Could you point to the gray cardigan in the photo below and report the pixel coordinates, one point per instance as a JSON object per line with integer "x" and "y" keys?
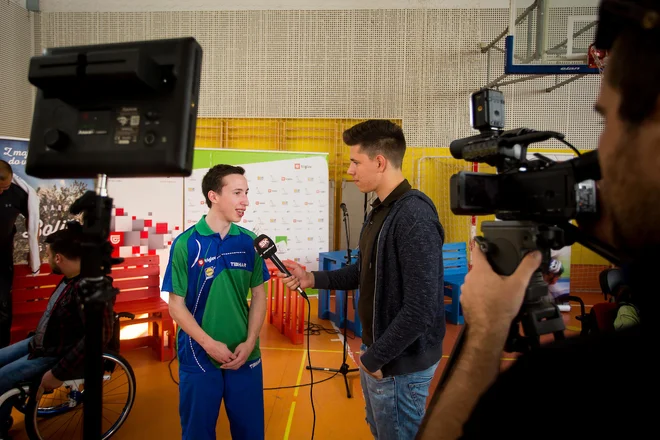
{"x": 409, "y": 317}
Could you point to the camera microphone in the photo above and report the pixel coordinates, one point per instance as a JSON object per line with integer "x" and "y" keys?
{"x": 266, "y": 248}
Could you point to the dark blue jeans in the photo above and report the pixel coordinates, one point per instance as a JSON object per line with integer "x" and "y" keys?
{"x": 15, "y": 367}
{"x": 396, "y": 405}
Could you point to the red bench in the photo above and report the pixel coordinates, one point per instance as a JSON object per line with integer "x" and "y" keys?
{"x": 137, "y": 279}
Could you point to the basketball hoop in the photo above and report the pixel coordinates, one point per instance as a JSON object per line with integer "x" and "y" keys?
{"x": 597, "y": 58}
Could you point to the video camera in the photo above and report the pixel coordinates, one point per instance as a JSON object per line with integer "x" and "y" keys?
{"x": 534, "y": 201}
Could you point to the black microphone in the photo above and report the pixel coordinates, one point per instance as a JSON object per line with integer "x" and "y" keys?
{"x": 266, "y": 248}
{"x": 343, "y": 208}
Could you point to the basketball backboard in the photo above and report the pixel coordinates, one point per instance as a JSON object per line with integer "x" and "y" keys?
{"x": 551, "y": 37}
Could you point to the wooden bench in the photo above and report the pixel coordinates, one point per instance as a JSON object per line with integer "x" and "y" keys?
{"x": 137, "y": 279}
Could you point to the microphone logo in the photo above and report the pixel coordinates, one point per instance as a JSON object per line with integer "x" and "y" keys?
{"x": 264, "y": 243}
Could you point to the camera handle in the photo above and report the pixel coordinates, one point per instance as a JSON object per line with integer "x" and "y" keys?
{"x": 566, "y": 233}
{"x": 505, "y": 244}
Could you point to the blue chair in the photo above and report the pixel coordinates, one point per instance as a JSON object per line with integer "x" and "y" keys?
{"x": 456, "y": 267}
{"x": 332, "y": 261}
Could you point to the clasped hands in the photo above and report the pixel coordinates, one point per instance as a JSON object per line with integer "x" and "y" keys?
{"x": 229, "y": 360}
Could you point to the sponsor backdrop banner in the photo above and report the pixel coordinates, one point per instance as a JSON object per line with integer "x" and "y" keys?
{"x": 288, "y": 201}
{"x": 288, "y": 198}
{"x": 55, "y": 198}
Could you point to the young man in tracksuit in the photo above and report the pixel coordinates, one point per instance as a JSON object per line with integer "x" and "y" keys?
{"x": 212, "y": 268}
{"x": 399, "y": 272}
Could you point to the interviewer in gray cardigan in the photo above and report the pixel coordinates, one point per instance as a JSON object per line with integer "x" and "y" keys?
{"x": 399, "y": 273}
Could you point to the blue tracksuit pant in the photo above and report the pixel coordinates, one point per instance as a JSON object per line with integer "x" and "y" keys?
{"x": 201, "y": 393}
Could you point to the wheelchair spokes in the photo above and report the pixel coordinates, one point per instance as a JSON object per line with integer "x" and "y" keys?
{"x": 59, "y": 414}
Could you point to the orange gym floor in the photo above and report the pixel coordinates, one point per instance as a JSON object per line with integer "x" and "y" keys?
{"x": 288, "y": 412}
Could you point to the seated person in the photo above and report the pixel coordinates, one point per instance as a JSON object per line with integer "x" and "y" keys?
{"x": 55, "y": 351}
{"x": 558, "y": 295}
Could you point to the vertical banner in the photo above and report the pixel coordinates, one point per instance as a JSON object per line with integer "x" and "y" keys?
{"x": 55, "y": 198}
{"x": 289, "y": 198}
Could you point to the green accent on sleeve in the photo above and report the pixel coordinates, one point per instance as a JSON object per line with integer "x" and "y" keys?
{"x": 180, "y": 265}
{"x": 257, "y": 272}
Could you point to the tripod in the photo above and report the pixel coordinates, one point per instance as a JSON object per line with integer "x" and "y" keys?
{"x": 344, "y": 369}
{"x": 97, "y": 293}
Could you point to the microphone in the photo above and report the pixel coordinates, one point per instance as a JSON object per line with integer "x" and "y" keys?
{"x": 343, "y": 208}
{"x": 266, "y": 248}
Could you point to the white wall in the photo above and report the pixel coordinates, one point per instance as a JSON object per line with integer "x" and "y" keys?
{"x": 418, "y": 65}
{"x": 16, "y": 48}
{"x": 20, "y": 3}
{"x": 228, "y": 5}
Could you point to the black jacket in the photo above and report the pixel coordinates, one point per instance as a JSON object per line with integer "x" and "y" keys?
{"x": 409, "y": 317}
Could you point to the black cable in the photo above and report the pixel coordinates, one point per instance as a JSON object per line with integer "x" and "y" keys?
{"x": 301, "y": 385}
{"x": 316, "y": 329}
{"x": 169, "y": 367}
{"x": 309, "y": 361}
{"x": 570, "y": 146}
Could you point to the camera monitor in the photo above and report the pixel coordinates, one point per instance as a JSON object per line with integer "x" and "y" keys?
{"x": 121, "y": 110}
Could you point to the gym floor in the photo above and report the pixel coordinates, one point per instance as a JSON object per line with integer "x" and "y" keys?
{"x": 288, "y": 412}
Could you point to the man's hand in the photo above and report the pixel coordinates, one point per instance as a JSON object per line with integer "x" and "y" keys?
{"x": 491, "y": 301}
{"x": 50, "y": 382}
{"x": 241, "y": 354}
{"x": 299, "y": 277}
{"x": 218, "y": 351}
{"x": 378, "y": 374}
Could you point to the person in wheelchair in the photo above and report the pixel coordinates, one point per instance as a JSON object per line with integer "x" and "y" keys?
{"x": 55, "y": 351}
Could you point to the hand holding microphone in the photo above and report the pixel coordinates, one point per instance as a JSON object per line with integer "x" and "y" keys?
{"x": 298, "y": 277}
{"x": 294, "y": 276}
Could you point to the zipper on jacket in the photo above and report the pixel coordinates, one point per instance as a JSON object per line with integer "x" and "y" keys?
{"x": 373, "y": 317}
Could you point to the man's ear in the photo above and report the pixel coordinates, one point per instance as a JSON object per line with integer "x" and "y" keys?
{"x": 213, "y": 196}
{"x": 381, "y": 161}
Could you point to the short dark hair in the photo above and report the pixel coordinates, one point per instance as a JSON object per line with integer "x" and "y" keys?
{"x": 68, "y": 241}
{"x": 4, "y": 166}
{"x": 214, "y": 179}
{"x": 633, "y": 69}
{"x": 378, "y": 136}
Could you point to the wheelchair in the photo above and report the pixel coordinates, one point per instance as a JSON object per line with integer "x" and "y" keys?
{"x": 58, "y": 414}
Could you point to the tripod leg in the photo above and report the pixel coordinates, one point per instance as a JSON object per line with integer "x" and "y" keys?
{"x": 348, "y": 389}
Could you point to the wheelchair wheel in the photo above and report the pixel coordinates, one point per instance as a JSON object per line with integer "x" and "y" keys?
{"x": 59, "y": 414}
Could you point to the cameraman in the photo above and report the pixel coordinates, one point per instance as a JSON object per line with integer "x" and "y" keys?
{"x": 477, "y": 400}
